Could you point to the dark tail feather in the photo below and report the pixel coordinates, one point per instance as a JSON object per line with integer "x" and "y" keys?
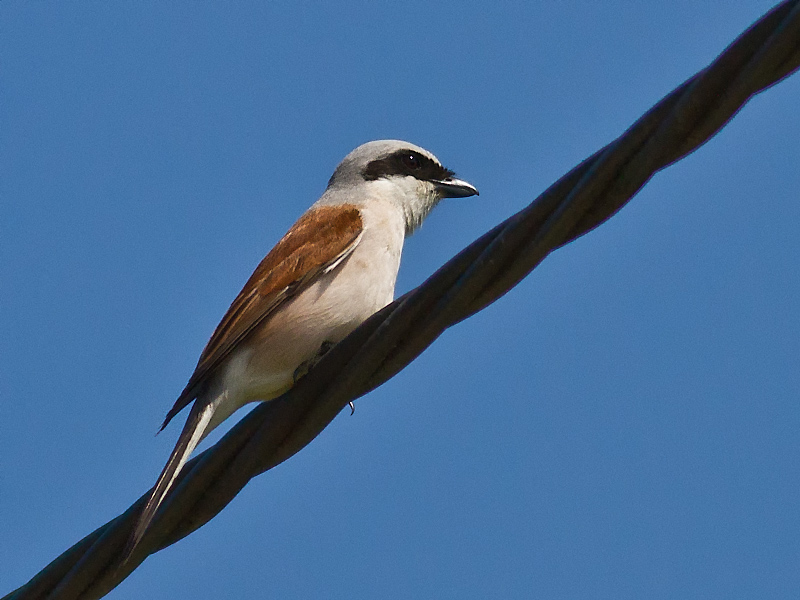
{"x": 192, "y": 433}
{"x": 185, "y": 399}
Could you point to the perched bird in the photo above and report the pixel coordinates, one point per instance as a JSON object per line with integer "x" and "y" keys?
{"x": 335, "y": 267}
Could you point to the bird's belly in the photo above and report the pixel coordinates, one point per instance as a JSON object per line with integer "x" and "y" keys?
{"x": 325, "y": 312}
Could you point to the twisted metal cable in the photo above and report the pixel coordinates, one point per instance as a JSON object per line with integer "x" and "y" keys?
{"x": 480, "y": 274}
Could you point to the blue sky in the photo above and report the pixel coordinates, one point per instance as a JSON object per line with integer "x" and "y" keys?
{"x": 623, "y": 424}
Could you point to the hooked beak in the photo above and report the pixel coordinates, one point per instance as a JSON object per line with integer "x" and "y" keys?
{"x": 455, "y": 188}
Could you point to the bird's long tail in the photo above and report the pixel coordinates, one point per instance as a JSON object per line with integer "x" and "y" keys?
{"x": 194, "y": 431}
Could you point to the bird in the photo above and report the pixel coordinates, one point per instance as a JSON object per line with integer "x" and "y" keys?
{"x": 336, "y": 266}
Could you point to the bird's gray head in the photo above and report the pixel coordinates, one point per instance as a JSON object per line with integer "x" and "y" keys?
{"x": 400, "y": 172}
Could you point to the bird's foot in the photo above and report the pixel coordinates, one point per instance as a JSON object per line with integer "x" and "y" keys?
{"x": 306, "y": 366}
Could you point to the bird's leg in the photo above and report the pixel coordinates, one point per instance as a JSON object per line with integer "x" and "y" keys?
{"x": 301, "y": 371}
{"x": 305, "y": 367}
{"x": 324, "y": 348}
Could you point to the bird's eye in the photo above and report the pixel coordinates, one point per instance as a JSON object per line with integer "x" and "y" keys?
{"x": 411, "y": 161}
